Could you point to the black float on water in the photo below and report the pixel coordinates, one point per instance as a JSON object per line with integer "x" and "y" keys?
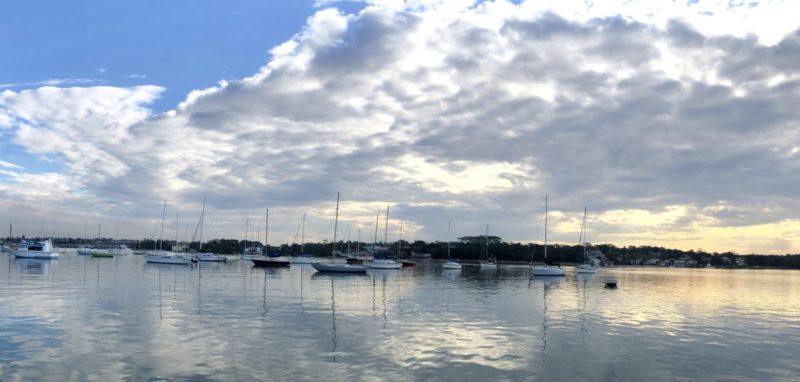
{"x": 611, "y": 283}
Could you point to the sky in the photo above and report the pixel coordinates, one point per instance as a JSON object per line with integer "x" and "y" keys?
{"x": 674, "y": 123}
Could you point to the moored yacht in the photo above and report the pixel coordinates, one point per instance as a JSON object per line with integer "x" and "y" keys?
{"x": 338, "y": 267}
{"x": 164, "y": 257}
{"x": 208, "y": 256}
{"x": 37, "y": 250}
{"x": 547, "y": 269}
{"x": 384, "y": 264}
{"x": 450, "y": 264}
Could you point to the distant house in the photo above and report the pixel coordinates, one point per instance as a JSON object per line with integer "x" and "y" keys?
{"x": 741, "y": 261}
{"x": 679, "y": 263}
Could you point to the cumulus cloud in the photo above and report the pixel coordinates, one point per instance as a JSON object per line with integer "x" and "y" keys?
{"x": 462, "y": 110}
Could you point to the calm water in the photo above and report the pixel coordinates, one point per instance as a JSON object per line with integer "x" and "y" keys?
{"x": 85, "y": 319}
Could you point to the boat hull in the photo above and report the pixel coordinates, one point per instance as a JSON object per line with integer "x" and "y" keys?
{"x": 488, "y": 265}
{"x": 384, "y": 265}
{"x": 409, "y": 264}
{"x": 84, "y": 252}
{"x": 102, "y": 254}
{"x": 167, "y": 259}
{"x": 586, "y": 270}
{"x": 211, "y": 258}
{"x": 303, "y": 260}
{"x": 547, "y": 271}
{"x": 270, "y": 263}
{"x": 451, "y": 265}
{"x": 36, "y": 255}
{"x": 339, "y": 268}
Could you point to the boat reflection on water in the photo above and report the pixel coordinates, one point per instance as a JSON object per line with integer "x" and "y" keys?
{"x": 34, "y": 266}
{"x": 546, "y": 283}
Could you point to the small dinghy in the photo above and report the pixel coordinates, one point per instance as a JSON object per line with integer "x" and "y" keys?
{"x": 611, "y": 282}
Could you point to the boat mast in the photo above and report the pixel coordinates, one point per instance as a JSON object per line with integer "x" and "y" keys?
{"x": 486, "y": 240}
{"x": 545, "y": 229}
{"x": 386, "y": 229}
{"x": 358, "y": 243}
{"x": 400, "y": 242}
{"x": 266, "y": 235}
{"x": 202, "y": 221}
{"x": 347, "y": 230}
{"x": 335, "y": 226}
{"x": 176, "y": 231}
{"x": 85, "y": 231}
{"x": 584, "y": 234}
{"x": 449, "y": 223}
{"x": 303, "y": 236}
{"x": 160, "y": 241}
{"x": 375, "y": 239}
{"x": 246, "y": 232}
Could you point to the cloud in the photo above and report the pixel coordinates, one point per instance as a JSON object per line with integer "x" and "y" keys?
{"x": 136, "y": 76}
{"x": 457, "y": 110}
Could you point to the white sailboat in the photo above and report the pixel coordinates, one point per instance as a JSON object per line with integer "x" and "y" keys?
{"x": 450, "y": 264}
{"x": 487, "y": 262}
{"x": 163, "y": 257}
{"x": 385, "y": 263}
{"x": 338, "y": 267}
{"x": 205, "y": 256}
{"x": 586, "y": 267}
{"x": 546, "y": 269}
{"x": 303, "y": 258}
{"x": 36, "y": 250}
{"x": 252, "y": 252}
{"x": 85, "y": 249}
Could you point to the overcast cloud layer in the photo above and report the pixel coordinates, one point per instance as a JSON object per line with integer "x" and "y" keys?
{"x": 672, "y": 132}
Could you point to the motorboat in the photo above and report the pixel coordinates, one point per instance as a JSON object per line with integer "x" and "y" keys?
{"x": 36, "y": 250}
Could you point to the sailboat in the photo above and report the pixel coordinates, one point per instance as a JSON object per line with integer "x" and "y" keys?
{"x": 205, "y": 256}
{"x": 162, "y": 257}
{"x": 252, "y": 252}
{"x": 450, "y": 264}
{"x": 334, "y": 267}
{"x": 85, "y": 249}
{"x": 586, "y": 267}
{"x": 304, "y": 258}
{"x": 385, "y": 262}
{"x": 101, "y": 252}
{"x": 487, "y": 262}
{"x": 36, "y": 250}
{"x": 267, "y": 260}
{"x": 546, "y": 269}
